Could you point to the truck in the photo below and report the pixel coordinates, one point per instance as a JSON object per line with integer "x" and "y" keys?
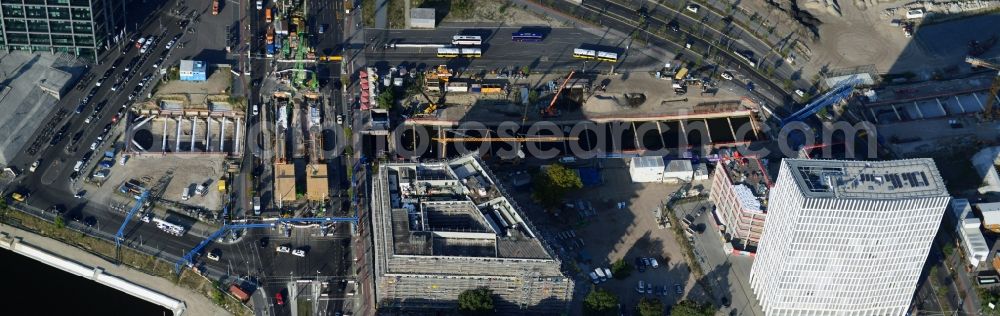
{"x": 267, "y": 15}
{"x": 215, "y": 7}
{"x": 347, "y": 6}
{"x": 269, "y": 37}
{"x": 270, "y": 50}
{"x": 600, "y": 274}
{"x": 239, "y": 293}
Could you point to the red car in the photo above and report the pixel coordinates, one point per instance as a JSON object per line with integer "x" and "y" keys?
{"x": 279, "y": 299}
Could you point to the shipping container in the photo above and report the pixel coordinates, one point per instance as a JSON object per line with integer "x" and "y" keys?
{"x": 457, "y": 87}
{"x": 239, "y": 293}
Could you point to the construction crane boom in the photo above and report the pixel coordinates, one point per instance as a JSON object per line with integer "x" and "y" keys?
{"x": 550, "y": 111}
{"x": 990, "y": 112}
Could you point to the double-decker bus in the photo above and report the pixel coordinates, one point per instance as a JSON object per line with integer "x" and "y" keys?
{"x": 466, "y": 40}
{"x": 526, "y": 37}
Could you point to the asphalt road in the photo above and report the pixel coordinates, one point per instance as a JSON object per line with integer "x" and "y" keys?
{"x": 625, "y": 19}
{"x": 554, "y": 53}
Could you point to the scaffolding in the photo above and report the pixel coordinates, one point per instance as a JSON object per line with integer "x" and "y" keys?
{"x": 526, "y": 281}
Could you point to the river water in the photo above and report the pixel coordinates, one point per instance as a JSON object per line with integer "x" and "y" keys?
{"x": 33, "y": 287}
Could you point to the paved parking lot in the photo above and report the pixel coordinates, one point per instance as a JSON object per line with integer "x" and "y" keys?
{"x": 610, "y": 233}
{"x": 727, "y": 274}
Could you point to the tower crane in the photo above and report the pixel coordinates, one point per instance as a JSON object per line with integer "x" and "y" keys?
{"x": 551, "y": 110}
{"x": 990, "y": 112}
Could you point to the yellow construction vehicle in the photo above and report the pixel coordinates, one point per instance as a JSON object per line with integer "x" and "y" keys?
{"x": 990, "y": 111}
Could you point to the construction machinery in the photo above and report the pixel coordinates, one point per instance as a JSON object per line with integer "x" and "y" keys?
{"x": 990, "y": 112}
{"x": 551, "y": 110}
{"x": 518, "y": 139}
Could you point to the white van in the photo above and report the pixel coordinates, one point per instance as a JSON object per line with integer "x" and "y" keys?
{"x": 186, "y": 194}
{"x": 79, "y": 164}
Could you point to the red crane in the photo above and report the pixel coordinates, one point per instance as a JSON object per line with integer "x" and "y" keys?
{"x": 551, "y": 110}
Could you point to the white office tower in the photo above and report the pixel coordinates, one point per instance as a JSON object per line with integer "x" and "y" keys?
{"x": 847, "y": 237}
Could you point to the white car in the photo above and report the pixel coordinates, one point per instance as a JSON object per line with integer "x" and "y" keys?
{"x": 213, "y": 255}
{"x": 260, "y": 4}
{"x": 93, "y": 145}
{"x": 34, "y": 165}
{"x": 255, "y": 110}
{"x": 299, "y": 252}
{"x": 726, "y": 75}
{"x": 800, "y": 93}
{"x": 284, "y": 249}
{"x": 340, "y": 119}
{"x": 693, "y": 8}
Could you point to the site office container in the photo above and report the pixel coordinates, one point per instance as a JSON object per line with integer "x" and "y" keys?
{"x": 239, "y": 293}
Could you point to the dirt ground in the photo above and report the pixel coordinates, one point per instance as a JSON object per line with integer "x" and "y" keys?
{"x": 196, "y": 92}
{"x": 502, "y": 13}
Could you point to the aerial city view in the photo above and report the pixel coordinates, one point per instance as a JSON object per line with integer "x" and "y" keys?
{"x": 500, "y": 157}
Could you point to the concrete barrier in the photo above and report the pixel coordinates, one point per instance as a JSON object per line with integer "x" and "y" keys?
{"x": 92, "y": 273}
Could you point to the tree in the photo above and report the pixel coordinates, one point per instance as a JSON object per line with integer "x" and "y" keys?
{"x": 650, "y": 307}
{"x": 599, "y": 302}
{"x": 532, "y": 97}
{"x": 552, "y": 184}
{"x": 621, "y": 269}
{"x": 386, "y": 99}
{"x": 476, "y": 301}
{"x": 692, "y": 308}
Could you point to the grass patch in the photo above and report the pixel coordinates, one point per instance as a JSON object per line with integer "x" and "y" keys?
{"x": 304, "y": 306}
{"x": 368, "y": 12}
{"x": 129, "y": 257}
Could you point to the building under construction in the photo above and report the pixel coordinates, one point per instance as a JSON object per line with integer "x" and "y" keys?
{"x": 442, "y": 228}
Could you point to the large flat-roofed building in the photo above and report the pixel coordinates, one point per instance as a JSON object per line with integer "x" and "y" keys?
{"x": 85, "y": 28}
{"x": 739, "y": 191}
{"x": 847, "y": 237}
{"x": 443, "y": 228}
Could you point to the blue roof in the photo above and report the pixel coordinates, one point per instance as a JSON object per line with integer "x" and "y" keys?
{"x": 590, "y": 176}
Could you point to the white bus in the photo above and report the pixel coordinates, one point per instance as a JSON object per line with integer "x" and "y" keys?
{"x": 584, "y": 53}
{"x": 746, "y": 56}
{"x": 472, "y": 40}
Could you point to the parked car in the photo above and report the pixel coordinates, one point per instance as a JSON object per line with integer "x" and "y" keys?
{"x": 284, "y": 249}
{"x": 299, "y": 252}
{"x": 279, "y": 299}
{"x": 726, "y": 75}
{"x": 214, "y": 254}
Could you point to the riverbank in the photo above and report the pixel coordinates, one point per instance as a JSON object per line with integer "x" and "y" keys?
{"x": 195, "y": 303}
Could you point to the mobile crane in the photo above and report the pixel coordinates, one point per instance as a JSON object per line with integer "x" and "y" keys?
{"x": 551, "y": 110}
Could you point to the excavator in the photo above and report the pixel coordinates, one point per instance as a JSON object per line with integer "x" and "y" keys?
{"x": 990, "y": 111}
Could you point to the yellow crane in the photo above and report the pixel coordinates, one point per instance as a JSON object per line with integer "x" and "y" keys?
{"x": 990, "y": 112}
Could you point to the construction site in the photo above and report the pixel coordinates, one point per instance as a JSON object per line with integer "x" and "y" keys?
{"x": 644, "y": 114}
{"x": 961, "y": 112}
{"x": 300, "y": 169}
{"x": 446, "y": 227}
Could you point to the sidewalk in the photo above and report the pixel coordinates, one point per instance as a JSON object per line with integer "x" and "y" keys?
{"x": 197, "y": 304}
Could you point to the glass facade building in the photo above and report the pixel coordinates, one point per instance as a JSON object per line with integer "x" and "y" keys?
{"x": 85, "y": 28}
{"x": 847, "y": 237}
